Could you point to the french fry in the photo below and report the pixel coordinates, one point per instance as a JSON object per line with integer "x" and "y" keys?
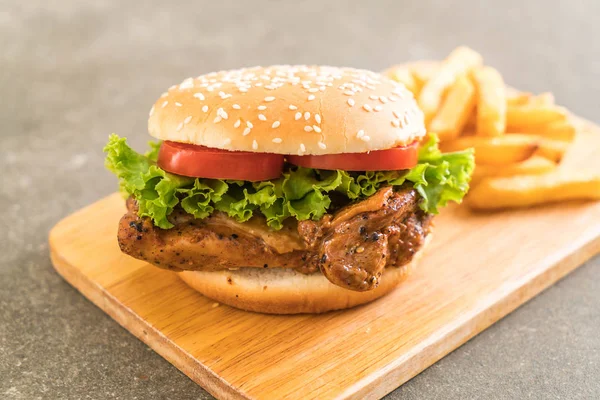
{"x": 558, "y": 130}
{"x": 543, "y": 99}
{"x": 553, "y": 150}
{"x": 520, "y": 117}
{"x": 496, "y": 150}
{"x": 423, "y": 71}
{"x": 518, "y": 99}
{"x": 532, "y": 166}
{"x": 456, "y": 109}
{"x": 459, "y": 62}
{"x": 530, "y": 190}
{"x": 402, "y": 74}
{"x": 523, "y": 99}
{"x": 491, "y": 101}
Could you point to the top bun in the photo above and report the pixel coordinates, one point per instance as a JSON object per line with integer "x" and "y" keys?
{"x": 287, "y": 109}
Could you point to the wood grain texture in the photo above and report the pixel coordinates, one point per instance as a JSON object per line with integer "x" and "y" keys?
{"x": 479, "y": 268}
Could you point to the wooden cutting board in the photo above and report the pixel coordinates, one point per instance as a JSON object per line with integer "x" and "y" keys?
{"x": 479, "y": 268}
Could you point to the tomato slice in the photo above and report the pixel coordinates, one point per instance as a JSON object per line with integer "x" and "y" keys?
{"x": 398, "y": 158}
{"x": 205, "y": 162}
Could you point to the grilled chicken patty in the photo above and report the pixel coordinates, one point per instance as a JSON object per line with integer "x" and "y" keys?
{"x": 351, "y": 247}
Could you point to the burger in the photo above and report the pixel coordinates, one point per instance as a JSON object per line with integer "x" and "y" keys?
{"x": 286, "y": 189}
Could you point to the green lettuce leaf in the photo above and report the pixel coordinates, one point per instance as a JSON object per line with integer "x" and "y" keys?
{"x": 155, "y": 190}
{"x": 441, "y": 177}
{"x": 301, "y": 193}
{"x": 199, "y": 200}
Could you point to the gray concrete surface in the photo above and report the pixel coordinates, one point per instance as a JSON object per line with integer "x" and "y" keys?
{"x": 71, "y": 72}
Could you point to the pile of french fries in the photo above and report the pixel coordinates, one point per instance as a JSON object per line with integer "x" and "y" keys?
{"x": 519, "y": 138}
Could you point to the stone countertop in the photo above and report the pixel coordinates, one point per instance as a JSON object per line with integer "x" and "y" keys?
{"x": 73, "y": 73}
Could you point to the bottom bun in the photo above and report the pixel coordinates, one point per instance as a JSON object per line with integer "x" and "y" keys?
{"x": 286, "y": 291}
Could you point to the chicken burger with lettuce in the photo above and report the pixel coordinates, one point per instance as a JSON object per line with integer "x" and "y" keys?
{"x": 286, "y": 189}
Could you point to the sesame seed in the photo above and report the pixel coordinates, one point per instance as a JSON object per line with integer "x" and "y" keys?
{"x": 396, "y": 114}
{"x": 277, "y": 140}
{"x": 322, "y": 145}
{"x": 237, "y": 124}
{"x": 308, "y": 128}
{"x": 298, "y": 116}
{"x": 199, "y": 96}
{"x": 406, "y": 119}
{"x": 261, "y": 108}
{"x": 370, "y": 87}
{"x": 269, "y": 98}
{"x": 276, "y": 124}
{"x": 254, "y": 145}
{"x": 246, "y": 131}
{"x": 318, "y": 118}
{"x": 383, "y": 99}
{"x": 172, "y": 87}
{"x": 293, "y": 107}
{"x": 221, "y": 113}
{"x": 367, "y": 107}
{"x": 178, "y": 104}
{"x": 236, "y": 107}
{"x": 378, "y": 108}
{"x": 317, "y": 129}
{"x": 262, "y": 117}
{"x": 204, "y": 108}
{"x": 259, "y": 84}
{"x": 322, "y": 88}
{"x": 227, "y": 142}
{"x": 307, "y": 115}
{"x": 187, "y": 119}
{"x": 243, "y": 90}
{"x": 365, "y": 138}
{"x": 360, "y": 134}
{"x": 351, "y": 102}
{"x": 164, "y": 104}
{"x": 373, "y": 97}
{"x": 396, "y": 123}
{"x": 249, "y": 124}
{"x": 399, "y": 92}
{"x": 349, "y": 93}
{"x": 311, "y": 97}
{"x": 179, "y": 127}
{"x": 165, "y": 94}
{"x": 393, "y": 98}
{"x": 217, "y": 119}
{"x": 313, "y": 90}
{"x": 151, "y": 111}
{"x": 302, "y": 147}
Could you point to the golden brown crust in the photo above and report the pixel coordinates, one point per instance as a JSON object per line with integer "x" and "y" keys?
{"x": 293, "y": 110}
{"x": 284, "y": 291}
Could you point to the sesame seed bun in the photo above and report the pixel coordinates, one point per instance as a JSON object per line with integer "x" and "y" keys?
{"x": 285, "y": 291}
{"x": 289, "y": 110}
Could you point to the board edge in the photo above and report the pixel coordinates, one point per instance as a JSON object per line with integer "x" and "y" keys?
{"x": 137, "y": 326}
{"x": 377, "y": 385}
